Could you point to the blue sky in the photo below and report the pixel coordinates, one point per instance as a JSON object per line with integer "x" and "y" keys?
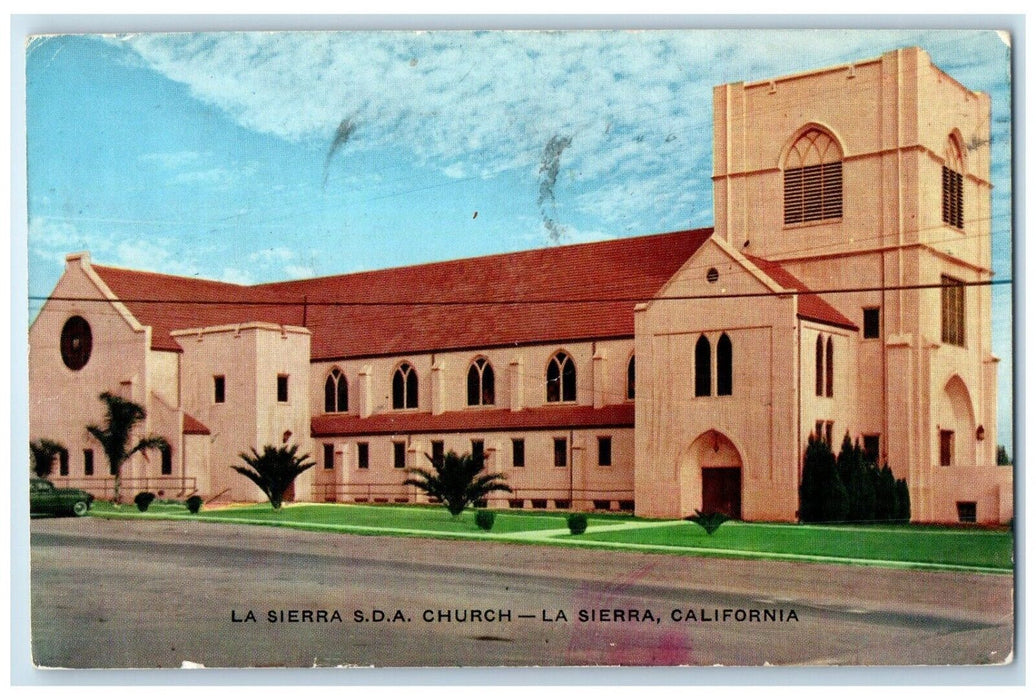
{"x": 254, "y": 157}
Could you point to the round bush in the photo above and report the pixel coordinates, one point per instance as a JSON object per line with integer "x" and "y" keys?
{"x": 577, "y": 523}
{"x": 484, "y": 519}
{"x": 143, "y": 500}
{"x": 194, "y": 504}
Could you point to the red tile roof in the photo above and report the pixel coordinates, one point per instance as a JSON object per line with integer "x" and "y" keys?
{"x": 548, "y": 295}
{"x": 811, "y": 306}
{"x": 193, "y": 426}
{"x": 545, "y": 418}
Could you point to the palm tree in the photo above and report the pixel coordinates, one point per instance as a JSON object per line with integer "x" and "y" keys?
{"x": 120, "y": 417}
{"x": 274, "y": 470}
{"x": 43, "y": 453}
{"x": 456, "y": 480}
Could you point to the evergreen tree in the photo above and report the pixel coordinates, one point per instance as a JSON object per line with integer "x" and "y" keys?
{"x": 885, "y": 496}
{"x": 822, "y": 495}
{"x": 902, "y": 501}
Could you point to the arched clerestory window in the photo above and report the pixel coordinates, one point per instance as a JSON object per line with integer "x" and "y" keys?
{"x": 631, "y": 378}
{"x": 813, "y": 178}
{"x": 702, "y": 367}
{"x": 953, "y": 184}
{"x": 336, "y": 392}
{"x": 820, "y": 365}
{"x": 829, "y": 384}
{"x": 561, "y": 378}
{"x": 404, "y": 387}
{"x": 724, "y": 366}
{"x": 481, "y": 383}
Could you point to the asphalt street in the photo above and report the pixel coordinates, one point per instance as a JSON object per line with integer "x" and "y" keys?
{"x": 138, "y": 594}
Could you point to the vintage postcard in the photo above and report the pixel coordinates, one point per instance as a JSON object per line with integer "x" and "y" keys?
{"x": 520, "y": 348}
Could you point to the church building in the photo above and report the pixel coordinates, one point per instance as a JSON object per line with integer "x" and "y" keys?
{"x": 842, "y": 290}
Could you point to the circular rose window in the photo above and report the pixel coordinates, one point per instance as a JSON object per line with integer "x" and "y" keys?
{"x": 76, "y": 342}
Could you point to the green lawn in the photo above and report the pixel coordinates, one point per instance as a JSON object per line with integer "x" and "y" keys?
{"x": 981, "y": 548}
{"x": 891, "y": 545}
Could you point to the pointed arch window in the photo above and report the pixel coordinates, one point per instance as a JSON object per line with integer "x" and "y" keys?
{"x": 336, "y": 392}
{"x": 829, "y": 384}
{"x": 724, "y": 366}
{"x": 813, "y": 179}
{"x": 702, "y": 367}
{"x": 631, "y": 378}
{"x": 561, "y": 378}
{"x": 820, "y": 365}
{"x": 953, "y": 185}
{"x": 404, "y": 387}
{"x": 481, "y": 383}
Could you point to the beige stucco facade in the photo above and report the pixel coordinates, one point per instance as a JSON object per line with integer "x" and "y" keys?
{"x": 773, "y": 299}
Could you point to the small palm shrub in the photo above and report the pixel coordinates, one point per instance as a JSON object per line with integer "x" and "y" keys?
{"x": 143, "y": 500}
{"x": 484, "y": 519}
{"x": 194, "y": 504}
{"x": 709, "y": 521}
{"x": 577, "y": 523}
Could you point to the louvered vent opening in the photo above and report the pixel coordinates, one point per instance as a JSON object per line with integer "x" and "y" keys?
{"x": 952, "y": 197}
{"x": 813, "y": 193}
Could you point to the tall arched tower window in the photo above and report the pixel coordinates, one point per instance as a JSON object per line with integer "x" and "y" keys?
{"x": 724, "y": 366}
{"x": 813, "y": 179}
{"x": 820, "y": 365}
{"x": 702, "y": 367}
{"x": 829, "y": 387}
{"x": 481, "y": 383}
{"x": 404, "y": 387}
{"x": 561, "y": 378}
{"x": 953, "y": 185}
{"x": 631, "y": 378}
{"x": 336, "y": 392}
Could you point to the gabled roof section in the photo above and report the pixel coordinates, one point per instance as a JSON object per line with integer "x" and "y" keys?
{"x": 193, "y": 426}
{"x": 811, "y": 306}
{"x": 556, "y": 294}
{"x": 546, "y": 418}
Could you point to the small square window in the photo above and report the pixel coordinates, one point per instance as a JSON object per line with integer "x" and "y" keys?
{"x": 329, "y": 456}
{"x": 362, "y": 455}
{"x": 399, "y": 455}
{"x": 219, "y": 389}
{"x": 560, "y": 452}
{"x": 282, "y": 388}
{"x": 88, "y": 462}
{"x": 518, "y": 452}
{"x": 967, "y": 511}
{"x": 872, "y": 322}
{"x": 604, "y": 451}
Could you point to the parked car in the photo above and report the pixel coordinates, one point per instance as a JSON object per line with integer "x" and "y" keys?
{"x": 45, "y": 498}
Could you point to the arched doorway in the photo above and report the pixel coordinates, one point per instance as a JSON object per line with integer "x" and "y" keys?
{"x": 715, "y": 463}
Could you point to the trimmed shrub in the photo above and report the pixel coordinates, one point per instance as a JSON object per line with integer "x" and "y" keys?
{"x": 194, "y": 504}
{"x": 484, "y": 519}
{"x": 143, "y": 500}
{"x": 709, "y": 521}
{"x": 822, "y": 495}
{"x": 577, "y": 523}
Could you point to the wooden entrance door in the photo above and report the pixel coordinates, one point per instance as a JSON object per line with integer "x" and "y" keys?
{"x": 721, "y": 491}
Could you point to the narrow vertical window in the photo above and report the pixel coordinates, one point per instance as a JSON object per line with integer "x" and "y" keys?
{"x": 829, "y": 384}
{"x": 363, "y": 460}
{"x": 561, "y": 378}
{"x": 336, "y": 392}
{"x": 282, "y": 388}
{"x": 63, "y": 463}
{"x": 820, "y": 365}
{"x": 872, "y": 448}
{"x": 945, "y": 448}
{"x": 219, "y": 389}
{"x": 952, "y": 311}
{"x": 438, "y": 453}
{"x": 702, "y": 367}
{"x": 872, "y": 322}
{"x": 404, "y": 387}
{"x": 167, "y": 460}
{"x": 631, "y": 379}
{"x": 953, "y": 185}
{"x": 478, "y": 449}
{"x": 724, "y": 367}
{"x": 604, "y": 451}
{"x": 329, "y": 456}
{"x": 481, "y": 383}
{"x": 88, "y": 462}
{"x": 560, "y": 452}
{"x": 399, "y": 455}
{"x": 517, "y": 452}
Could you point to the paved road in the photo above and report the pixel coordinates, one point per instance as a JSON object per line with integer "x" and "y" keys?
{"x": 111, "y": 594}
